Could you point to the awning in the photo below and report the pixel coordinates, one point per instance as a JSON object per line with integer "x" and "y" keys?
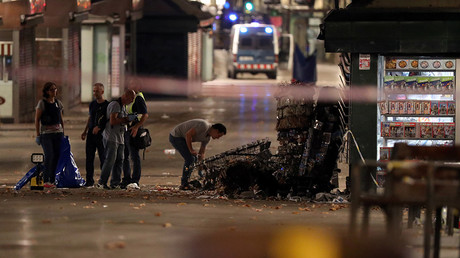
{"x": 175, "y": 15}
{"x": 397, "y": 31}
{"x": 206, "y": 19}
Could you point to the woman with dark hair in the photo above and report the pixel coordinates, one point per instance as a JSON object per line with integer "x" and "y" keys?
{"x": 49, "y": 127}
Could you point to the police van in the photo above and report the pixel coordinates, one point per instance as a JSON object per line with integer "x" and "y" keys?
{"x": 253, "y": 49}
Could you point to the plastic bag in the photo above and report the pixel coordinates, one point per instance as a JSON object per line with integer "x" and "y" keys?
{"x": 67, "y": 173}
{"x": 27, "y": 177}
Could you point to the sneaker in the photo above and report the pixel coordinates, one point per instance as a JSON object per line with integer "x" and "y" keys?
{"x": 101, "y": 186}
{"x": 49, "y": 185}
{"x": 123, "y": 185}
{"x": 133, "y": 186}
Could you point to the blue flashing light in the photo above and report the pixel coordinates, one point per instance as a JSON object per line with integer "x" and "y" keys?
{"x": 227, "y": 5}
{"x": 268, "y": 30}
{"x": 249, "y": 6}
{"x": 243, "y": 29}
{"x": 233, "y": 17}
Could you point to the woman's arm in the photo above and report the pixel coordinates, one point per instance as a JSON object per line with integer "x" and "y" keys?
{"x": 38, "y": 115}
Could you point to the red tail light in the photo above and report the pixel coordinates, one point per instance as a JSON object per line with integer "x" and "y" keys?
{"x": 234, "y": 58}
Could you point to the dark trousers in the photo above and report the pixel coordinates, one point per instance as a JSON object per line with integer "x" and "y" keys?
{"x": 180, "y": 145}
{"x": 93, "y": 143}
{"x": 51, "y": 144}
{"x": 132, "y": 153}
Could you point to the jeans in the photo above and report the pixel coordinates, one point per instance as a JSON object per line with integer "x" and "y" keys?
{"x": 112, "y": 164}
{"x": 133, "y": 152}
{"x": 51, "y": 144}
{"x": 180, "y": 145}
{"x": 93, "y": 143}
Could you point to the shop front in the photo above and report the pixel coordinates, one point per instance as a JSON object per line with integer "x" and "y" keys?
{"x": 402, "y": 60}
{"x": 103, "y": 47}
{"x": 17, "y": 37}
{"x": 57, "y": 43}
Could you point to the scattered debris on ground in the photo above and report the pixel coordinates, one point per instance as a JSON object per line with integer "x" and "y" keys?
{"x": 310, "y": 139}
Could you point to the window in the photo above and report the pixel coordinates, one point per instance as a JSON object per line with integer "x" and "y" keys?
{"x": 246, "y": 42}
{"x": 6, "y": 60}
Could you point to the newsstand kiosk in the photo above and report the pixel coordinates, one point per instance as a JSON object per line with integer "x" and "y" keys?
{"x": 408, "y": 61}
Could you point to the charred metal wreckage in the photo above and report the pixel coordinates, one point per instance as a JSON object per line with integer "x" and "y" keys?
{"x": 310, "y": 137}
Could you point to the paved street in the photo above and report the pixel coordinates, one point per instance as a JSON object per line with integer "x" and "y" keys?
{"x": 159, "y": 220}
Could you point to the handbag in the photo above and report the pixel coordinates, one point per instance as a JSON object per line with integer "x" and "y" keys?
{"x": 142, "y": 140}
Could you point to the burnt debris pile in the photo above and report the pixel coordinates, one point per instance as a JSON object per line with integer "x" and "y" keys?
{"x": 244, "y": 168}
{"x": 309, "y": 135}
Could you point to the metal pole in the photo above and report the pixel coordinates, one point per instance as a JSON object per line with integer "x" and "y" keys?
{"x": 289, "y": 17}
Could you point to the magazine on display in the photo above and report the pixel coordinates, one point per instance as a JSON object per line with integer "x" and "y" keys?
{"x": 410, "y": 130}
{"x": 411, "y": 83}
{"x": 418, "y": 107}
{"x": 385, "y": 129}
{"x": 447, "y": 83}
{"x": 388, "y": 83}
{"x": 434, "y": 108}
{"x": 394, "y": 107}
{"x": 426, "y": 130}
{"x": 397, "y": 129}
{"x": 438, "y": 130}
{"x": 383, "y": 105}
{"x": 410, "y": 107}
{"x": 426, "y": 107}
{"x": 442, "y": 106}
{"x": 434, "y": 84}
{"x": 449, "y": 130}
{"x": 400, "y": 83}
{"x": 385, "y": 153}
{"x": 422, "y": 84}
{"x": 451, "y": 107}
{"x": 402, "y": 107}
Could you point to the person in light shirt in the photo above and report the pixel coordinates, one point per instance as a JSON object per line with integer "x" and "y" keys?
{"x": 195, "y": 130}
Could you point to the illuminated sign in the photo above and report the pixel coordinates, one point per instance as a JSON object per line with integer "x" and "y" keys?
{"x": 37, "y": 6}
{"x": 83, "y": 5}
{"x": 137, "y": 4}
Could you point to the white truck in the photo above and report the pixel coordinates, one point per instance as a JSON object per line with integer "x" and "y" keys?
{"x": 253, "y": 49}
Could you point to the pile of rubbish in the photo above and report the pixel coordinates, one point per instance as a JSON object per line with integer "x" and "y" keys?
{"x": 310, "y": 138}
{"x": 239, "y": 169}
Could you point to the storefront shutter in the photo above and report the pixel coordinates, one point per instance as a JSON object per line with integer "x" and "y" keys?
{"x": 27, "y": 90}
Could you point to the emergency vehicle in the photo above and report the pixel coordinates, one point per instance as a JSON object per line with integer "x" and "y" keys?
{"x": 253, "y": 49}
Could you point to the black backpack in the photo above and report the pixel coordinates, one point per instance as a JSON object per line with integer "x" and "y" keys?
{"x": 142, "y": 140}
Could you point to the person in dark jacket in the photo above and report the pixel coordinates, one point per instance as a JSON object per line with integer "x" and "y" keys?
{"x": 139, "y": 108}
{"x": 93, "y": 131}
{"x": 49, "y": 127}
